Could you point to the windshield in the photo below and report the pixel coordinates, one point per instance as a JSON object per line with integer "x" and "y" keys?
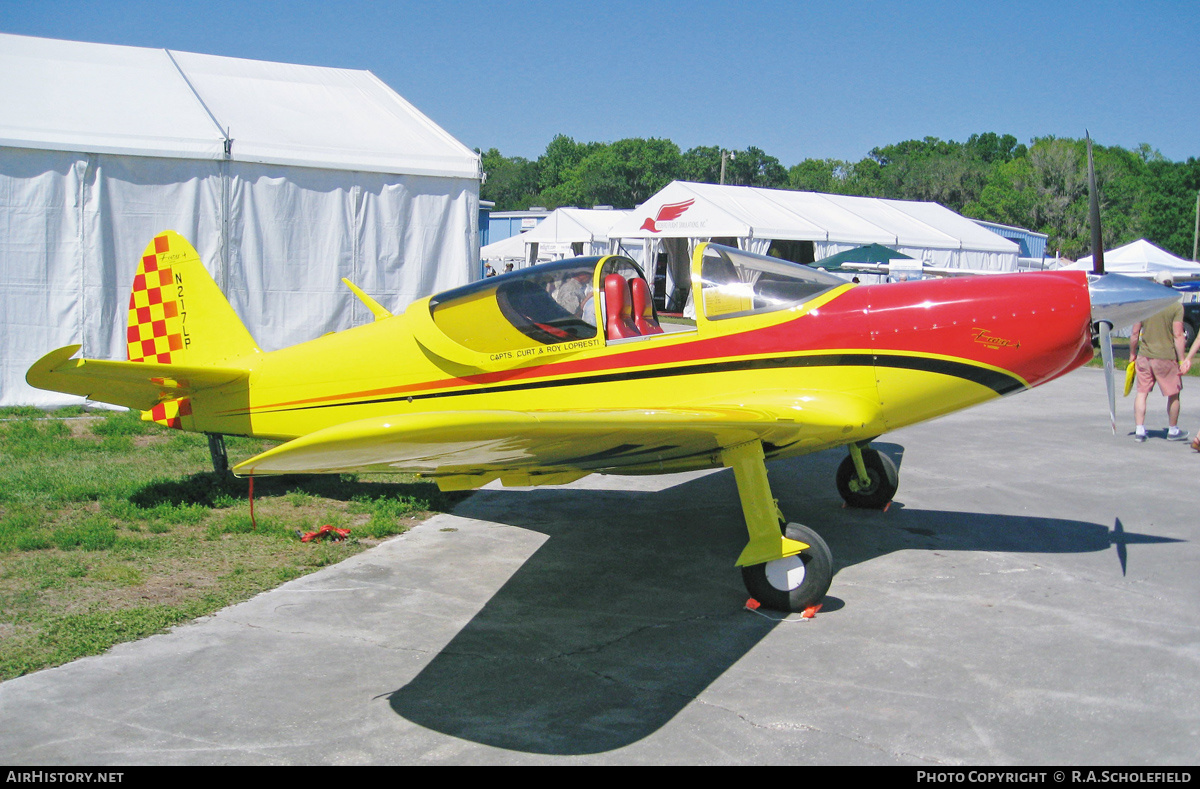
{"x": 736, "y": 283}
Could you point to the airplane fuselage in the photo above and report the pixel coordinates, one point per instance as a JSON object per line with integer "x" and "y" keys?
{"x": 845, "y": 367}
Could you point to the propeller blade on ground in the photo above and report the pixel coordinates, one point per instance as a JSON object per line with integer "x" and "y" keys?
{"x": 1106, "y": 352}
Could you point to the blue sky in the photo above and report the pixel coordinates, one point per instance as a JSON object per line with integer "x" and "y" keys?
{"x": 797, "y": 79}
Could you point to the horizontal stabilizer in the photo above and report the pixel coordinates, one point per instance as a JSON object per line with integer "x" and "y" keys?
{"x": 140, "y": 385}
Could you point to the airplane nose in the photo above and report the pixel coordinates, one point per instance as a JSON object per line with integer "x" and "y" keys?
{"x": 1123, "y": 301}
{"x": 1117, "y": 302}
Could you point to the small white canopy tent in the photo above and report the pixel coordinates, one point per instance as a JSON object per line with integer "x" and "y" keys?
{"x": 286, "y": 178}
{"x": 684, "y": 213}
{"x": 568, "y": 232}
{"x": 1141, "y": 258}
{"x": 506, "y": 250}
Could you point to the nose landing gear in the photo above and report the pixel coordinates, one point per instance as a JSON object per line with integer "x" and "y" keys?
{"x": 867, "y": 478}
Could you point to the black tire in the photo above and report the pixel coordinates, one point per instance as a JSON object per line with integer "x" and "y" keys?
{"x": 1189, "y": 334}
{"x": 795, "y": 582}
{"x": 884, "y": 481}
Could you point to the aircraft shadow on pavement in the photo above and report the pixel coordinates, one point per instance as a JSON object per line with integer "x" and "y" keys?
{"x": 633, "y": 607}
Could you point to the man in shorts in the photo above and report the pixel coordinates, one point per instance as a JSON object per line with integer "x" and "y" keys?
{"x": 1156, "y": 348}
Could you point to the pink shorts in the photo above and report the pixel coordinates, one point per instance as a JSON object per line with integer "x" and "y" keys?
{"x": 1164, "y": 371}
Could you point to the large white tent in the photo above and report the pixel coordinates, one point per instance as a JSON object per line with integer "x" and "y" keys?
{"x": 286, "y": 178}
{"x": 1141, "y": 258}
{"x": 756, "y": 219}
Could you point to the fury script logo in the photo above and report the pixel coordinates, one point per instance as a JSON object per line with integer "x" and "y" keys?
{"x": 667, "y": 213}
{"x": 985, "y": 337}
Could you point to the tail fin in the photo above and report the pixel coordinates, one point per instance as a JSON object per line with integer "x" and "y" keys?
{"x": 183, "y": 338}
{"x": 177, "y": 314}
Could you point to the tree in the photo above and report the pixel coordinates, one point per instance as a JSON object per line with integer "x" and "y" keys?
{"x": 1041, "y": 186}
{"x": 992, "y": 148}
{"x": 819, "y": 175}
{"x": 1170, "y": 205}
{"x": 511, "y": 183}
{"x": 555, "y": 167}
{"x": 701, "y": 164}
{"x": 754, "y": 167}
{"x": 625, "y": 173}
{"x": 933, "y": 170}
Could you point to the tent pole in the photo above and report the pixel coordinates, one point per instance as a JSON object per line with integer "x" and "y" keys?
{"x": 225, "y": 190}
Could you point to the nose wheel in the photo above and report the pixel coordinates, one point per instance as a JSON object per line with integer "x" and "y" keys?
{"x": 867, "y": 478}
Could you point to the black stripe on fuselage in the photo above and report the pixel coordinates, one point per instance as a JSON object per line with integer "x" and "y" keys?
{"x": 1000, "y": 382}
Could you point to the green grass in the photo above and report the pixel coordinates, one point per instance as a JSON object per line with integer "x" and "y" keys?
{"x": 112, "y": 529}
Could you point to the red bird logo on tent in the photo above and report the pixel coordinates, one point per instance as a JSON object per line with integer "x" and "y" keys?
{"x": 666, "y": 214}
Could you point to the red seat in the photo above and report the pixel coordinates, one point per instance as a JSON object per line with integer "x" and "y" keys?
{"x": 643, "y": 307}
{"x": 617, "y": 309}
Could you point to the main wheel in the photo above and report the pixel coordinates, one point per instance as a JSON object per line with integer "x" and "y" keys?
{"x": 793, "y": 583}
{"x": 882, "y": 473}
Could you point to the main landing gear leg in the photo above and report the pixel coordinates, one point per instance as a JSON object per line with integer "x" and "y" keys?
{"x": 787, "y": 569}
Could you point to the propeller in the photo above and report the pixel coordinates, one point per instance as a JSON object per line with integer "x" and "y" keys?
{"x": 1106, "y": 352}
{"x": 1117, "y": 300}
{"x": 1094, "y": 212}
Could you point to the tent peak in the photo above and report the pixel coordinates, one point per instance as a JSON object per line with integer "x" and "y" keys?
{"x": 163, "y": 102}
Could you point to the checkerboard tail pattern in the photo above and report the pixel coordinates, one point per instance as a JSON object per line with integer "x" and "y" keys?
{"x": 170, "y": 412}
{"x": 155, "y": 328}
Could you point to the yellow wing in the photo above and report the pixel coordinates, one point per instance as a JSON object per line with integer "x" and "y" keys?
{"x": 465, "y": 449}
{"x": 140, "y": 385}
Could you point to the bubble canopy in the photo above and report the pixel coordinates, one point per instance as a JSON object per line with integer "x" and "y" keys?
{"x": 541, "y": 305}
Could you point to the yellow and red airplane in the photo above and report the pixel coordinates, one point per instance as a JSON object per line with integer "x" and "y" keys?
{"x": 550, "y": 373}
